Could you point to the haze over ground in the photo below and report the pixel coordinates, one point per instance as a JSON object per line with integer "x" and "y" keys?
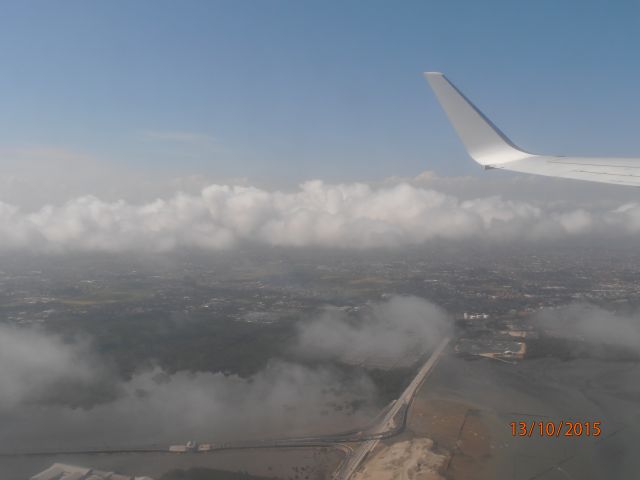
{"x": 155, "y": 128}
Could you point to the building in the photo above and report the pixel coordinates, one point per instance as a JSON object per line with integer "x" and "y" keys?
{"x": 475, "y": 316}
{"x": 60, "y": 471}
{"x": 191, "y": 446}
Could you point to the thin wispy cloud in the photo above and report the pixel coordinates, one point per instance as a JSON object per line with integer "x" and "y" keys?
{"x": 43, "y": 153}
{"x": 179, "y": 137}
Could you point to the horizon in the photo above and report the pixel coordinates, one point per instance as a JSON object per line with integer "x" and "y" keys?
{"x": 277, "y": 94}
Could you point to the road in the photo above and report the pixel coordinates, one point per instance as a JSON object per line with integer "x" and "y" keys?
{"x": 388, "y": 422}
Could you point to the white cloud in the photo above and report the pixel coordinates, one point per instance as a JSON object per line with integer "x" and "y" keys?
{"x": 31, "y": 363}
{"x": 353, "y": 215}
{"x": 392, "y": 328}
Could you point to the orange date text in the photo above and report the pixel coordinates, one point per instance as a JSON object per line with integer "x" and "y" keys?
{"x": 560, "y": 428}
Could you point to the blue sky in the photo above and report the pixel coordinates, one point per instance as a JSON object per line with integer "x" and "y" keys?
{"x": 283, "y": 91}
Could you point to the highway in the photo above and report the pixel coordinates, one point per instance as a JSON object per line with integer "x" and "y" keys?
{"x": 388, "y": 422}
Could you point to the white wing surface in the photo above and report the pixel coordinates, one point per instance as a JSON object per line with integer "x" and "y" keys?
{"x": 491, "y": 148}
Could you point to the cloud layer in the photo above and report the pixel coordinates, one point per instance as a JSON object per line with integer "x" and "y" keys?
{"x": 593, "y": 324}
{"x": 389, "y": 329}
{"x": 41, "y": 376}
{"x": 346, "y": 216}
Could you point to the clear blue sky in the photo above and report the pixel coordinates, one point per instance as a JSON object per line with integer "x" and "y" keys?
{"x": 292, "y": 90}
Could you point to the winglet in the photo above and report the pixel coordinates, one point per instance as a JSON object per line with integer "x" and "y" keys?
{"x": 484, "y": 142}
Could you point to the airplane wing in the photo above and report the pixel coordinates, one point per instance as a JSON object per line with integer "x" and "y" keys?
{"x": 491, "y": 148}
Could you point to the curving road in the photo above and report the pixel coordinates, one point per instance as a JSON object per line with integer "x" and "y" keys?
{"x": 388, "y": 422}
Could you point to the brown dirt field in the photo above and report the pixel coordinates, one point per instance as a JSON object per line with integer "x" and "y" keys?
{"x": 457, "y": 429}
